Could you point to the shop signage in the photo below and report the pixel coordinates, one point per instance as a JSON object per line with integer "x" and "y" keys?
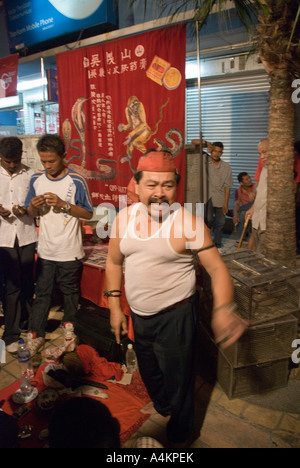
{"x": 36, "y": 21}
{"x": 8, "y": 76}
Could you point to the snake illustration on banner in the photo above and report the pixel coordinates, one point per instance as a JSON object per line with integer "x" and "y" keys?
{"x": 104, "y": 172}
{"x": 139, "y": 134}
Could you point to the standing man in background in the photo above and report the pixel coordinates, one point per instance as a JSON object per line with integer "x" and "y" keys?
{"x": 18, "y": 236}
{"x": 60, "y": 197}
{"x": 219, "y": 185}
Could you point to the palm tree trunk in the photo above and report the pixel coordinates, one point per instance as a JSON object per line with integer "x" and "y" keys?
{"x": 281, "y": 229}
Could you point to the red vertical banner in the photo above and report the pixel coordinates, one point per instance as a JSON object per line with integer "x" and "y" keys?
{"x": 119, "y": 99}
{"x": 9, "y": 76}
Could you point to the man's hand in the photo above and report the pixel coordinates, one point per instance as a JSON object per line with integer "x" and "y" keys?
{"x": 4, "y": 212}
{"x": 228, "y": 327}
{"x": 236, "y": 219}
{"x": 210, "y": 147}
{"x": 19, "y": 210}
{"x": 38, "y": 206}
{"x": 249, "y": 213}
{"x": 225, "y": 208}
{"x": 118, "y": 324}
{"x": 37, "y": 202}
{"x": 52, "y": 199}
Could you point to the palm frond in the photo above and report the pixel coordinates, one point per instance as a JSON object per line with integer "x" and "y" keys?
{"x": 294, "y": 26}
{"x": 246, "y": 10}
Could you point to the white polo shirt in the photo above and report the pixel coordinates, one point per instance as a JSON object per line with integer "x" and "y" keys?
{"x": 13, "y": 191}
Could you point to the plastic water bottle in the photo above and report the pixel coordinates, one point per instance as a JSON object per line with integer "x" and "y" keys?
{"x": 131, "y": 361}
{"x": 27, "y": 372}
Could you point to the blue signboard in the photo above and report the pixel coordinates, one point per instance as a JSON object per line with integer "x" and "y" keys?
{"x": 31, "y": 22}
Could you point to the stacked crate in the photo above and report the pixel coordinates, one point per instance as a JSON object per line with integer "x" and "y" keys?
{"x": 267, "y": 296}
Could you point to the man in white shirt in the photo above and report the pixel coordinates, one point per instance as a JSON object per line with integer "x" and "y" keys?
{"x": 61, "y": 198}
{"x": 18, "y": 236}
{"x": 258, "y": 211}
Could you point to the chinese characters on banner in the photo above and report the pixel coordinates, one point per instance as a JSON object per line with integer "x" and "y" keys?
{"x": 119, "y": 99}
{"x": 8, "y": 76}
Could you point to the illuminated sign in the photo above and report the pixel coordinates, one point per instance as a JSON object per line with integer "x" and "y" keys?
{"x": 8, "y": 76}
{"x": 36, "y": 21}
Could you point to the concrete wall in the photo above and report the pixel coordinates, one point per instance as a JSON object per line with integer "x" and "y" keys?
{"x": 30, "y": 155}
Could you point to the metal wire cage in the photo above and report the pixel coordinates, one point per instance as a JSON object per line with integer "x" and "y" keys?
{"x": 264, "y": 342}
{"x": 264, "y": 290}
{"x": 245, "y": 379}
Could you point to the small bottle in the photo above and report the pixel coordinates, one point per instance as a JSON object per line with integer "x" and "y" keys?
{"x": 26, "y": 367}
{"x": 131, "y": 361}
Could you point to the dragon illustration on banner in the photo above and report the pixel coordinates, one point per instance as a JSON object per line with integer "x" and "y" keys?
{"x": 139, "y": 134}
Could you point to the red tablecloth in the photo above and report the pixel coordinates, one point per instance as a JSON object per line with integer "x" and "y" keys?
{"x": 124, "y": 401}
{"x": 93, "y": 280}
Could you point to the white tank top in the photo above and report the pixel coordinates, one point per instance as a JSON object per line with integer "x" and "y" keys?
{"x": 155, "y": 275}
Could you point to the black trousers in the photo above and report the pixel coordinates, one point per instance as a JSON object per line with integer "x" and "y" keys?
{"x": 165, "y": 346}
{"x": 17, "y": 266}
{"x": 67, "y": 276}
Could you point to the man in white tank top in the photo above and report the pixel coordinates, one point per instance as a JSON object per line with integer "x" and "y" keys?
{"x": 159, "y": 239}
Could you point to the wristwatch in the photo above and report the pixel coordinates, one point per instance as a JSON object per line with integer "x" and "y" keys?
{"x": 67, "y": 208}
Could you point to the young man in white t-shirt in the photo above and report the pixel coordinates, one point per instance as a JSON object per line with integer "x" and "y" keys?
{"x": 61, "y": 198}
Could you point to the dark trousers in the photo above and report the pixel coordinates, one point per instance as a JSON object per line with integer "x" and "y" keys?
{"x": 17, "y": 266}
{"x": 165, "y": 348}
{"x": 215, "y": 220}
{"x": 242, "y": 214}
{"x": 67, "y": 276}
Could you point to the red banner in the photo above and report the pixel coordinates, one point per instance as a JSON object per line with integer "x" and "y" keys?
{"x": 118, "y": 99}
{"x": 9, "y": 76}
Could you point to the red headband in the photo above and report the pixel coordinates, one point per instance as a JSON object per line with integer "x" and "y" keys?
{"x": 157, "y": 161}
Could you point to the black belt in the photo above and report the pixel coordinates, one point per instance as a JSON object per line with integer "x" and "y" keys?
{"x": 176, "y": 305}
{"x": 167, "y": 309}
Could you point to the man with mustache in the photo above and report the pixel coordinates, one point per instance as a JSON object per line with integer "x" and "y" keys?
{"x": 159, "y": 240}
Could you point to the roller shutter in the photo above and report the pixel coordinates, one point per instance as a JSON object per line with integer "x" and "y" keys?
{"x": 235, "y": 111}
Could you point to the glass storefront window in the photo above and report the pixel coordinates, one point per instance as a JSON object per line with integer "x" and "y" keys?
{"x": 35, "y": 110}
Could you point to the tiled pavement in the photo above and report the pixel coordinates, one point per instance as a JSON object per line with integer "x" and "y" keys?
{"x": 223, "y": 422}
